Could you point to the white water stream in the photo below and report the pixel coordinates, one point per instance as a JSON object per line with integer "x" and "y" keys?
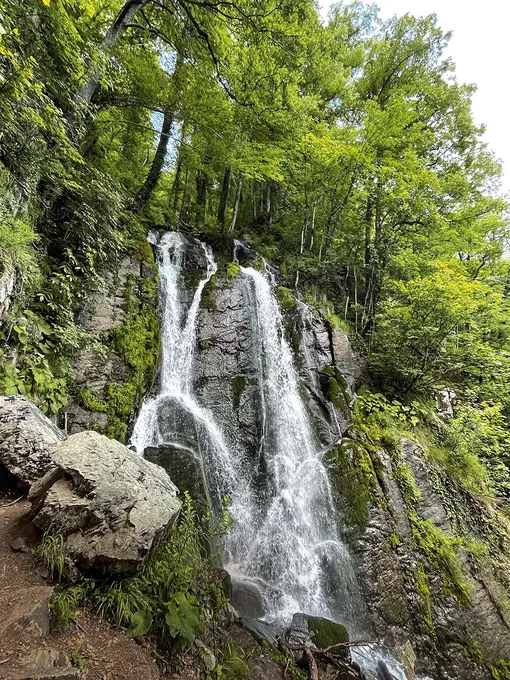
{"x": 285, "y": 540}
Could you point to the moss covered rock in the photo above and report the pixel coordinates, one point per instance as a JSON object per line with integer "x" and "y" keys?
{"x": 319, "y": 632}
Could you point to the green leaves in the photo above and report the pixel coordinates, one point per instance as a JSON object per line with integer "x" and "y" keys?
{"x": 141, "y": 623}
{"x": 182, "y": 618}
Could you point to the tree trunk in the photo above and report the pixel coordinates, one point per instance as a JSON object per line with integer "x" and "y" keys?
{"x": 368, "y": 233}
{"x": 225, "y": 190}
{"x": 236, "y": 204}
{"x": 312, "y": 236}
{"x": 85, "y": 91}
{"x": 157, "y": 165}
{"x": 201, "y": 198}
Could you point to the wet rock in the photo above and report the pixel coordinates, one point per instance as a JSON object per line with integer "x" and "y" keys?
{"x": 185, "y": 468}
{"x": 261, "y": 631}
{"x": 27, "y": 439}
{"x": 246, "y": 599}
{"x": 227, "y": 370}
{"x": 98, "y": 367}
{"x": 347, "y": 361}
{"x": 315, "y": 361}
{"x": 431, "y": 504}
{"x": 112, "y": 505}
{"x": 105, "y": 310}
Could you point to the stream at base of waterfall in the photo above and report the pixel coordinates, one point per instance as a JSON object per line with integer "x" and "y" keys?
{"x": 285, "y": 541}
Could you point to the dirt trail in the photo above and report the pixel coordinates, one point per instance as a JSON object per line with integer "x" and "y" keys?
{"x": 90, "y": 649}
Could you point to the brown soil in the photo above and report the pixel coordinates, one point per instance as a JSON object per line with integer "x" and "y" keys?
{"x": 107, "y": 653}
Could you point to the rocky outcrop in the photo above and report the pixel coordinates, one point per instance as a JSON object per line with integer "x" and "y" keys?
{"x": 407, "y": 569}
{"x": 349, "y": 363}
{"x": 111, "y": 505}
{"x": 117, "y": 367}
{"x": 27, "y": 439}
{"x": 227, "y": 372}
{"x": 228, "y": 380}
{"x": 7, "y": 282}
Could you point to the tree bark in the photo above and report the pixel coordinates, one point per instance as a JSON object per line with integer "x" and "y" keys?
{"x": 85, "y": 91}
{"x": 225, "y": 190}
{"x": 368, "y": 233}
{"x": 158, "y": 162}
{"x": 201, "y": 198}
{"x": 236, "y": 204}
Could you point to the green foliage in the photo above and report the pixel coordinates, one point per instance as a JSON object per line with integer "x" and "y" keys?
{"x": 440, "y": 551}
{"x": 175, "y": 595}
{"x": 326, "y": 633}
{"x": 231, "y": 664}
{"x": 16, "y": 251}
{"x": 422, "y": 588}
{"x": 354, "y": 479}
{"x": 500, "y": 670}
{"x": 51, "y": 553}
{"x": 78, "y": 660}
{"x": 232, "y": 270}
{"x": 137, "y": 342}
{"x": 66, "y": 600}
{"x": 285, "y": 298}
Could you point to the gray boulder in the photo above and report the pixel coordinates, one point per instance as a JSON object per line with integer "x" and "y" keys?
{"x": 112, "y": 506}
{"x": 27, "y": 439}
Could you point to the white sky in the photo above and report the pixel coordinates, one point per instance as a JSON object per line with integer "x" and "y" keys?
{"x": 480, "y": 47}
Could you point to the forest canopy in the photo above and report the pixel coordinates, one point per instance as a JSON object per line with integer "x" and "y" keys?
{"x": 344, "y": 150}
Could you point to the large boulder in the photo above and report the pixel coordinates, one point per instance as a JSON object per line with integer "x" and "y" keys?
{"x": 112, "y": 506}
{"x": 27, "y": 439}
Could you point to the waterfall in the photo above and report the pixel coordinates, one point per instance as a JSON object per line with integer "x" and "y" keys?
{"x": 285, "y": 540}
{"x": 173, "y": 416}
{"x": 291, "y": 550}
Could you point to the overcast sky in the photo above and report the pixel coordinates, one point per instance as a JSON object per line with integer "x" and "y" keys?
{"x": 480, "y": 48}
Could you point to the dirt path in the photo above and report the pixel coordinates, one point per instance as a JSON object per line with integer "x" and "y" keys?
{"x": 90, "y": 648}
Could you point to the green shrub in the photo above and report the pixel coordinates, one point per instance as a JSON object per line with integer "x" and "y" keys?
{"x": 175, "y": 595}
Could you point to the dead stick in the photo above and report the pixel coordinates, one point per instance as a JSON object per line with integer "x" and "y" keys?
{"x": 286, "y": 669}
{"x": 78, "y": 625}
{"x": 312, "y": 664}
{"x": 8, "y": 505}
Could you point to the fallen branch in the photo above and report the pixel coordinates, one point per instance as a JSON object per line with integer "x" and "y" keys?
{"x": 8, "y": 505}
{"x": 312, "y": 664}
{"x": 78, "y": 625}
{"x": 310, "y": 652}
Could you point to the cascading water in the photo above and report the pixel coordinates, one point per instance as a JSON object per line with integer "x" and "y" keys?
{"x": 291, "y": 550}
{"x": 285, "y": 540}
{"x": 174, "y": 416}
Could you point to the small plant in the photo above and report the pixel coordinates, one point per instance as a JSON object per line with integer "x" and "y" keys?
{"x": 51, "y": 553}
{"x": 66, "y": 600}
{"x": 285, "y": 298}
{"x": 231, "y": 664}
{"x": 78, "y": 660}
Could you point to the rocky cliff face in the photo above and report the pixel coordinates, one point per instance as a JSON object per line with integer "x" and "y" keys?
{"x": 227, "y": 371}
{"x": 119, "y": 363}
{"x": 411, "y": 530}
